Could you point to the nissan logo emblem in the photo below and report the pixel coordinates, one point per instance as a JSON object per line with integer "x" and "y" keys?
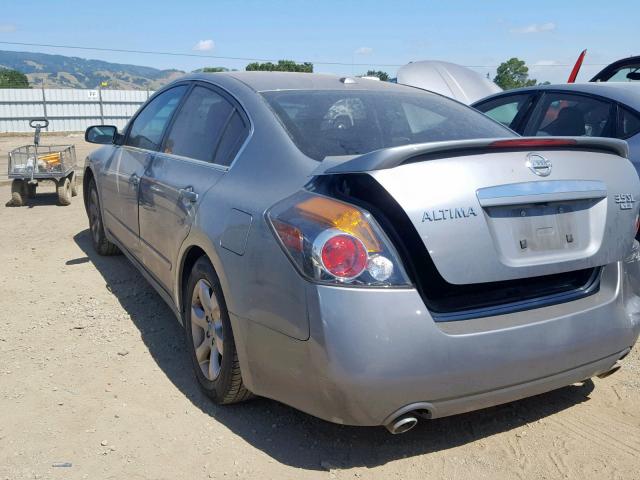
{"x": 538, "y": 164}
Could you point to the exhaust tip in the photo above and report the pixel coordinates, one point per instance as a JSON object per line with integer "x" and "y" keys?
{"x": 402, "y": 424}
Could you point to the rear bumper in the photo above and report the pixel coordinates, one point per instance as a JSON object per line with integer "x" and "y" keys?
{"x": 373, "y": 354}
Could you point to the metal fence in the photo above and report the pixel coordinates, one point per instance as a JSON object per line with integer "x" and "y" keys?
{"x": 68, "y": 110}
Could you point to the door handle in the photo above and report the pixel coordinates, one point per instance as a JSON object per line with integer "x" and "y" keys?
{"x": 188, "y": 194}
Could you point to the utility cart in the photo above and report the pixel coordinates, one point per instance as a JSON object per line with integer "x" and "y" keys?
{"x": 31, "y": 164}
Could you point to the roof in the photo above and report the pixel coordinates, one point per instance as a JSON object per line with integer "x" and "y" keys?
{"x": 266, "y": 81}
{"x": 627, "y": 93}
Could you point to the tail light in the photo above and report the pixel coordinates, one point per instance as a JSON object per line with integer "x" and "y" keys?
{"x": 333, "y": 242}
{"x": 533, "y": 142}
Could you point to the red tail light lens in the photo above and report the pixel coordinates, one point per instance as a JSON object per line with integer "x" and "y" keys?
{"x": 342, "y": 255}
{"x": 334, "y": 242}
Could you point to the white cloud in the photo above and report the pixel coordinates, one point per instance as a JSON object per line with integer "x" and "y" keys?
{"x": 535, "y": 28}
{"x": 204, "y": 46}
{"x": 7, "y": 28}
{"x": 364, "y": 51}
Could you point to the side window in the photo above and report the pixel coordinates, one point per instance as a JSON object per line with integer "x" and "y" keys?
{"x": 234, "y": 135}
{"x": 147, "y": 128}
{"x": 628, "y": 123}
{"x": 199, "y": 125}
{"x": 561, "y": 114}
{"x": 626, "y": 74}
{"x": 505, "y": 109}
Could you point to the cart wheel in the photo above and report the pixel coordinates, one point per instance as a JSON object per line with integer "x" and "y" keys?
{"x": 64, "y": 191}
{"x": 74, "y": 185}
{"x": 18, "y": 194}
{"x": 31, "y": 190}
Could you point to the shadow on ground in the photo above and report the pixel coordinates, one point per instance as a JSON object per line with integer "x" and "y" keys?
{"x": 287, "y": 435}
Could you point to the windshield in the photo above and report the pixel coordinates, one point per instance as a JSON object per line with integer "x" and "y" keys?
{"x": 329, "y": 123}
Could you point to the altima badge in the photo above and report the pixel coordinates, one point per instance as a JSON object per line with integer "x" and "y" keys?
{"x": 538, "y": 164}
{"x": 448, "y": 214}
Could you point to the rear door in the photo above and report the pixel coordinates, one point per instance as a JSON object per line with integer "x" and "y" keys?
{"x": 121, "y": 180}
{"x": 198, "y": 147}
{"x": 572, "y": 115}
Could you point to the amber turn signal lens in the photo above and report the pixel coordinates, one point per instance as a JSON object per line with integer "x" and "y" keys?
{"x": 335, "y": 214}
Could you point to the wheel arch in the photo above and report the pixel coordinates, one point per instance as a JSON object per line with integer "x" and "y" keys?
{"x": 193, "y": 248}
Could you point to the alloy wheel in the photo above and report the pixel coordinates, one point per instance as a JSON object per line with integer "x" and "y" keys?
{"x": 206, "y": 329}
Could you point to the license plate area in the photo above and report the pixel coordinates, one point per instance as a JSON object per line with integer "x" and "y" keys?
{"x": 542, "y": 231}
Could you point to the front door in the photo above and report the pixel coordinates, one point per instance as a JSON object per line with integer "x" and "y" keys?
{"x": 127, "y": 166}
{"x": 193, "y": 158}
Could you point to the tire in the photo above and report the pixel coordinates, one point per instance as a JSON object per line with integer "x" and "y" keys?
{"x": 208, "y": 329}
{"x": 31, "y": 190}
{"x": 18, "y": 193}
{"x": 74, "y": 185}
{"x": 98, "y": 238}
{"x": 64, "y": 191}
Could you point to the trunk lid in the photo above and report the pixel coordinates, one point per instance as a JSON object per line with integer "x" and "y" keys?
{"x": 489, "y": 211}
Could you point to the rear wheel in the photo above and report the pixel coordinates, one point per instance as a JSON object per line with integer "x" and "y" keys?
{"x": 98, "y": 238}
{"x": 209, "y": 337}
{"x": 64, "y": 191}
{"x": 18, "y": 193}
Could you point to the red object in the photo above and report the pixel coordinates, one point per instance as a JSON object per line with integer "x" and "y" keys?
{"x": 344, "y": 256}
{"x": 576, "y": 67}
{"x": 532, "y": 142}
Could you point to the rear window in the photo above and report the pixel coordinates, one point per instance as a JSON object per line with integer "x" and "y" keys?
{"x": 335, "y": 123}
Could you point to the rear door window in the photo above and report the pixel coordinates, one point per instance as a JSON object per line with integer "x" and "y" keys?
{"x": 506, "y": 109}
{"x": 234, "y": 135}
{"x": 199, "y": 125}
{"x": 628, "y": 123}
{"x": 565, "y": 114}
{"x": 149, "y": 125}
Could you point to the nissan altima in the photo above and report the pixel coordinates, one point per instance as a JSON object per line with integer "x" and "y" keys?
{"x": 367, "y": 252}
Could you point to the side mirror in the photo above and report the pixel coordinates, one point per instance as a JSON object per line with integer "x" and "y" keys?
{"x": 101, "y": 134}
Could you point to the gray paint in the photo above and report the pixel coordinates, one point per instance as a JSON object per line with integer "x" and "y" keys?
{"x": 359, "y": 355}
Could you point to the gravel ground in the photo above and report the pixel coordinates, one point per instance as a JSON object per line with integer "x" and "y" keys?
{"x": 94, "y": 375}
{"x": 9, "y": 142}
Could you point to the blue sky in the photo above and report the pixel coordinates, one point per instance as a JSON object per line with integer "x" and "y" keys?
{"x": 378, "y": 34}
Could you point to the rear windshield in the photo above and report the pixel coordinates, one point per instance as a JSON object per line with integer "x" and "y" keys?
{"x": 329, "y": 123}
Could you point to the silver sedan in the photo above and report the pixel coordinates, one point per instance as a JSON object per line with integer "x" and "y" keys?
{"x": 367, "y": 252}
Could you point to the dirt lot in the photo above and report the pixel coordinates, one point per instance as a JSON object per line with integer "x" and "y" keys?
{"x": 9, "y": 142}
{"x": 93, "y": 372}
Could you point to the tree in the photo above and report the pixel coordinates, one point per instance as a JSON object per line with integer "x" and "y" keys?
{"x": 281, "y": 66}
{"x": 214, "y": 69}
{"x": 13, "y": 79}
{"x": 513, "y": 73}
{"x": 384, "y": 76}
